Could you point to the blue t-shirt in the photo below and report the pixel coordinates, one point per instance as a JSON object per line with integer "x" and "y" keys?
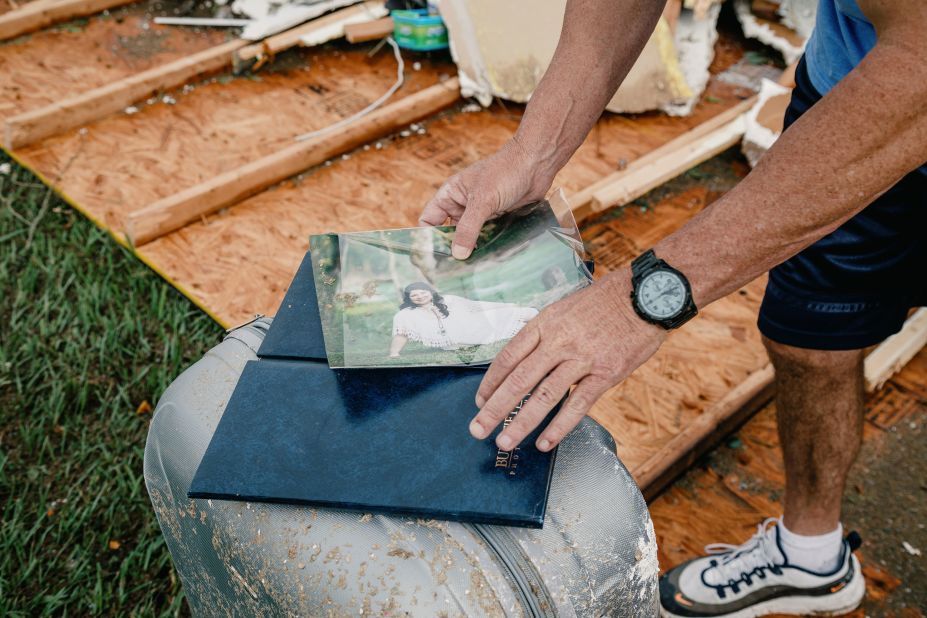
{"x": 842, "y": 36}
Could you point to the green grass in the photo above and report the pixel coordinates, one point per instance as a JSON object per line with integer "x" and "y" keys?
{"x": 87, "y": 333}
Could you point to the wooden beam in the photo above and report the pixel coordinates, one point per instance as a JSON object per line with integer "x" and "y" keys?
{"x": 88, "y": 106}
{"x": 369, "y": 30}
{"x": 291, "y": 38}
{"x": 748, "y": 397}
{"x": 41, "y": 13}
{"x": 894, "y": 353}
{"x": 663, "y": 163}
{"x": 177, "y": 210}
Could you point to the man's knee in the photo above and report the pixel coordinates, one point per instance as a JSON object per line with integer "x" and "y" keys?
{"x": 783, "y": 355}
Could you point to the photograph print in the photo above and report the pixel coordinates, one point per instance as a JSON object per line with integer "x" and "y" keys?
{"x": 398, "y": 297}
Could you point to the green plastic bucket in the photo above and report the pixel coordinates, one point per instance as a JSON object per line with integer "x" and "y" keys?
{"x": 417, "y": 30}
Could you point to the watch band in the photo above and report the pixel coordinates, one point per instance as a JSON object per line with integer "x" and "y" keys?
{"x": 643, "y": 265}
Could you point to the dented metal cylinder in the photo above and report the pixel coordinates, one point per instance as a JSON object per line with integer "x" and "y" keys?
{"x": 595, "y": 555}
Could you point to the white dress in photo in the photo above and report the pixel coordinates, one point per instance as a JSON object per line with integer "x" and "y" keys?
{"x": 469, "y": 322}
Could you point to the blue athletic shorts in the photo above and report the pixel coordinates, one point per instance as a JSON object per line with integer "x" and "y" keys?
{"x": 854, "y": 287}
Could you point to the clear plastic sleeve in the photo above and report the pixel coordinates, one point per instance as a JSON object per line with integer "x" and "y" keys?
{"x": 397, "y": 298}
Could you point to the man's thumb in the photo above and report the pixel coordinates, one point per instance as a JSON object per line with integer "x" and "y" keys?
{"x": 468, "y": 229}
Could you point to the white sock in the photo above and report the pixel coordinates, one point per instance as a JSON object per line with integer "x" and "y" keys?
{"x": 819, "y": 553}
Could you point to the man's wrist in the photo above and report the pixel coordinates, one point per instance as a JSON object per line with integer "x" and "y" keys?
{"x": 540, "y": 163}
{"x": 618, "y": 286}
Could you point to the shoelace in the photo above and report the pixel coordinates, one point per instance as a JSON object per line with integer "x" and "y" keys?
{"x": 741, "y": 561}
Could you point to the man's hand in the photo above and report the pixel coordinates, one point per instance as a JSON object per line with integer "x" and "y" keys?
{"x": 593, "y": 339}
{"x": 501, "y": 182}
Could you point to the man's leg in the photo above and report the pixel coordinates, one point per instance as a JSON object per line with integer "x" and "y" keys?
{"x": 819, "y": 402}
{"x": 800, "y": 564}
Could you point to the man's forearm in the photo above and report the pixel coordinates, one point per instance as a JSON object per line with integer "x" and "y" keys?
{"x": 599, "y": 43}
{"x": 861, "y": 138}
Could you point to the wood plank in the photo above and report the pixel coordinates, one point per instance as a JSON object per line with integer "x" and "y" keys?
{"x": 78, "y": 110}
{"x": 369, "y": 30}
{"x": 41, "y": 13}
{"x": 664, "y": 163}
{"x": 894, "y": 353}
{"x": 177, "y": 210}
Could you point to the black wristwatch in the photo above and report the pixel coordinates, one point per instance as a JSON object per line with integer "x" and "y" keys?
{"x": 660, "y": 294}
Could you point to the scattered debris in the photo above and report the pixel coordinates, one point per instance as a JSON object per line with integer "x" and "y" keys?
{"x": 910, "y": 549}
{"x": 470, "y": 108}
{"x": 131, "y": 110}
{"x": 749, "y": 74}
{"x": 168, "y": 99}
{"x": 499, "y": 53}
{"x": 5, "y": 169}
{"x": 333, "y": 26}
{"x": 143, "y": 408}
{"x": 271, "y": 18}
{"x": 788, "y": 42}
{"x": 416, "y": 66}
{"x": 114, "y": 544}
{"x": 214, "y": 22}
{"x": 763, "y": 123}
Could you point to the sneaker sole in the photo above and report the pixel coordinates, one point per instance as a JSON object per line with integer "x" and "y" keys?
{"x": 842, "y": 602}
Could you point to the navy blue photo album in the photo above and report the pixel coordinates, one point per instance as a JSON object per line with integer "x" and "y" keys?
{"x": 380, "y": 440}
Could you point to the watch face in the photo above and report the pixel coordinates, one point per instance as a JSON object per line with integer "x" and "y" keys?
{"x": 661, "y": 294}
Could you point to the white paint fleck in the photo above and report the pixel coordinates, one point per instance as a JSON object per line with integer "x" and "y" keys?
{"x": 910, "y": 549}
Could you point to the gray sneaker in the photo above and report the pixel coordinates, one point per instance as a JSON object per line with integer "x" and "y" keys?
{"x": 756, "y": 579}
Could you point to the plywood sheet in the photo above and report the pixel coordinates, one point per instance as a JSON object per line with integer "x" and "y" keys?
{"x": 42, "y": 67}
{"x": 129, "y": 161}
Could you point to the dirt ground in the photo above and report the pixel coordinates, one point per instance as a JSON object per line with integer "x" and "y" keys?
{"x": 887, "y": 504}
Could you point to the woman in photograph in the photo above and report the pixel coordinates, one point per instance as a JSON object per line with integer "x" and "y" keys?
{"x": 450, "y": 322}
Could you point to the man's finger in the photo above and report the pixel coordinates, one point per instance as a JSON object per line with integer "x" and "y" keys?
{"x": 507, "y": 359}
{"x": 543, "y": 398}
{"x": 468, "y": 228}
{"x": 519, "y": 383}
{"x": 586, "y": 393}
{"x": 434, "y": 212}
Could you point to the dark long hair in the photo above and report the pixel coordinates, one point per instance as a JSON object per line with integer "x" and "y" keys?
{"x": 436, "y": 298}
